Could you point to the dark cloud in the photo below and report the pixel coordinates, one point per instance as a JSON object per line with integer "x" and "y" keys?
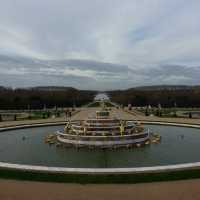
{"x": 85, "y": 74}
{"x": 177, "y": 73}
{"x": 88, "y": 65}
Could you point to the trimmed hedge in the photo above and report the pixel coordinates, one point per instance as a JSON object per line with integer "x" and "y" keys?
{"x": 94, "y": 178}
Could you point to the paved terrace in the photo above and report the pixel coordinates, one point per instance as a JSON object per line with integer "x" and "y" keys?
{"x": 35, "y": 121}
{"x": 140, "y": 116}
{"x": 83, "y": 113}
{"x": 134, "y": 115}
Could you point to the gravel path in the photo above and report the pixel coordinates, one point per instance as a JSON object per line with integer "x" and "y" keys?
{"x": 90, "y": 112}
{"x": 135, "y": 116}
{"x": 23, "y": 190}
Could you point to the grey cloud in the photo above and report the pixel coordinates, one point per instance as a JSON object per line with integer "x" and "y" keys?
{"x": 88, "y": 64}
{"x": 171, "y": 74}
{"x": 189, "y": 72}
{"x": 35, "y": 64}
{"x": 19, "y": 71}
{"x": 99, "y": 43}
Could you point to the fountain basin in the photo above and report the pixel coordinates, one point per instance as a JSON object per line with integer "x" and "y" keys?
{"x": 177, "y": 152}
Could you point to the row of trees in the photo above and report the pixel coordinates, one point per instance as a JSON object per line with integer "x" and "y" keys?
{"x": 167, "y": 98}
{"x": 38, "y": 99}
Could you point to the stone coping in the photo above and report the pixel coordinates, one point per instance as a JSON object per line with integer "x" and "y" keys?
{"x": 170, "y": 123}
{"x": 21, "y": 126}
{"x": 132, "y": 170}
{"x": 45, "y": 169}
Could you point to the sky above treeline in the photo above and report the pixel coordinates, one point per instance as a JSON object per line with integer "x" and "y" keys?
{"x": 99, "y": 44}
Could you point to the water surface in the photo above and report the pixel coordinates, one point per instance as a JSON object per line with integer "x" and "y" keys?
{"x": 178, "y": 145}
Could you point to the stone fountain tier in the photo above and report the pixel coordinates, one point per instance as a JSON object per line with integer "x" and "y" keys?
{"x": 104, "y": 131}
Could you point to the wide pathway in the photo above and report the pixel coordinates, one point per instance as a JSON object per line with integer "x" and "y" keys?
{"x": 133, "y": 115}
{"x": 140, "y": 116}
{"x": 173, "y": 190}
{"x": 83, "y": 113}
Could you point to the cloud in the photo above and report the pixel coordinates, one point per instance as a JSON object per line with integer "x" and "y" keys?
{"x": 110, "y": 42}
{"x": 84, "y": 74}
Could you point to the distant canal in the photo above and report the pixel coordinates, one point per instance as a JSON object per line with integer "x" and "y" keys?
{"x": 101, "y": 96}
{"x": 26, "y": 146}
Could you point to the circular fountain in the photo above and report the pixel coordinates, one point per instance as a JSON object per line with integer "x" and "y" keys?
{"x": 110, "y": 147}
{"x": 27, "y": 146}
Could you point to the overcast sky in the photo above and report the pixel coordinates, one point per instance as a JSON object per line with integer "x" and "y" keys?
{"x": 99, "y": 44}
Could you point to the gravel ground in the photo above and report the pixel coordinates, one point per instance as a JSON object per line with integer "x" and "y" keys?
{"x": 23, "y": 190}
{"x": 90, "y": 112}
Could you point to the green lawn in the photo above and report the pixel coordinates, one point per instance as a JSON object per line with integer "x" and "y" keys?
{"x": 98, "y": 104}
{"x": 170, "y": 112}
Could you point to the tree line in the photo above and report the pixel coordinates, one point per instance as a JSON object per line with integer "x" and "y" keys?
{"x": 167, "y": 98}
{"x": 36, "y": 98}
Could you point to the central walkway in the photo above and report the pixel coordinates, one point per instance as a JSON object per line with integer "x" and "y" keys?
{"x": 90, "y": 112}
